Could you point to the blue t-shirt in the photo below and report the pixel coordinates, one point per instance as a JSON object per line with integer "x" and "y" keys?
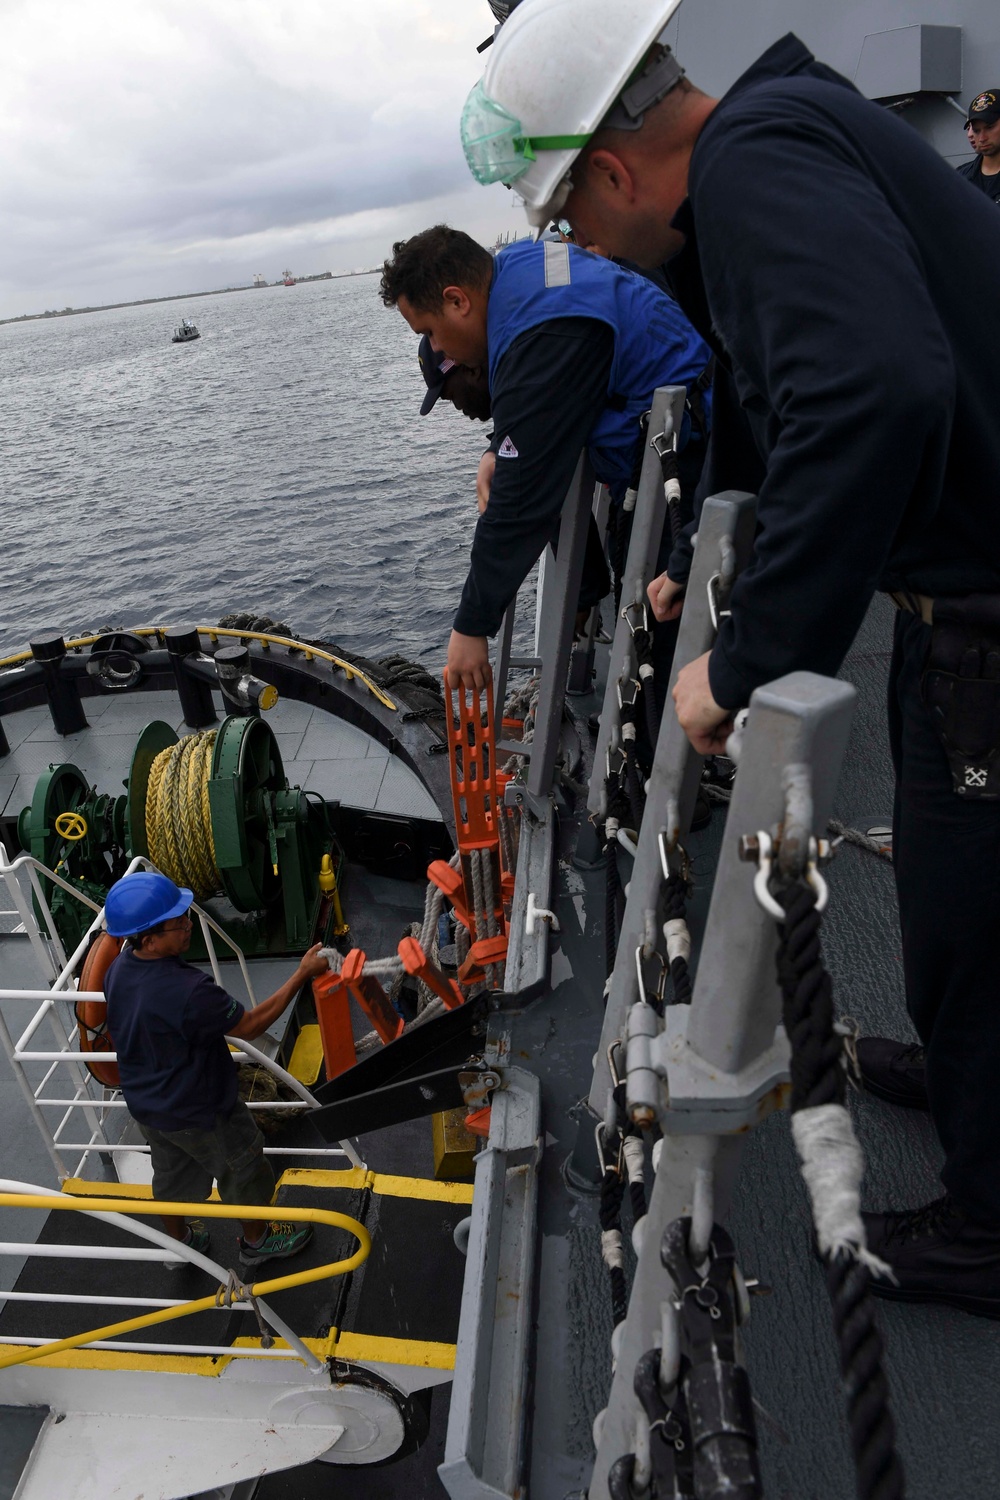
{"x": 168, "y": 1022}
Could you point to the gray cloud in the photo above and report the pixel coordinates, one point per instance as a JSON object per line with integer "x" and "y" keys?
{"x": 153, "y": 146}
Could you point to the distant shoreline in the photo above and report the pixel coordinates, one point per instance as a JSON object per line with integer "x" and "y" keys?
{"x": 73, "y": 312}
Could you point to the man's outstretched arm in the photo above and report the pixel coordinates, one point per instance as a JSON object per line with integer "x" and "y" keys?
{"x": 549, "y": 390}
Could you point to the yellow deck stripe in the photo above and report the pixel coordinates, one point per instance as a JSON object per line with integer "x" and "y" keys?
{"x": 351, "y": 1177}
{"x": 107, "y": 1359}
{"x": 421, "y": 1187}
{"x": 384, "y": 1183}
{"x": 81, "y": 1187}
{"x": 367, "y": 1349}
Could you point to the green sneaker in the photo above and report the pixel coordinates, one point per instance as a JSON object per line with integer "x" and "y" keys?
{"x": 198, "y": 1238}
{"x": 280, "y": 1241}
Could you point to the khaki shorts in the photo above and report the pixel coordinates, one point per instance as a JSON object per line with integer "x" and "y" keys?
{"x": 187, "y": 1162}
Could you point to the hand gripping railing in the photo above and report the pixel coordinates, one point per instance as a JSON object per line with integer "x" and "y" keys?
{"x": 230, "y": 1293}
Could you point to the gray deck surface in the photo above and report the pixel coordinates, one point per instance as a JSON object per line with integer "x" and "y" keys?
{"x": 942, "y": 1364}
{"x": 320, "y": 753}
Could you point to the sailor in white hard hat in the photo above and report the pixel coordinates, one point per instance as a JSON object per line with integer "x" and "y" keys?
{"x": 815, "y": 240}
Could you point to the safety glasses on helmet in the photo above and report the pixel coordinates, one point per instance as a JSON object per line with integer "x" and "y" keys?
{"x": 495, "y": 146}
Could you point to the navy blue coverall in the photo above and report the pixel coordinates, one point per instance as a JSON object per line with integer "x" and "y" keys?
{"x": 828, "y": 259}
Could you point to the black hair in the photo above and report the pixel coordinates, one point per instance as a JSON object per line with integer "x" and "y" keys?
{"x": 138, "y": 938}
{"x": 423, "y": 266}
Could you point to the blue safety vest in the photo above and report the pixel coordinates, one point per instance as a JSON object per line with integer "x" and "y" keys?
{"x": 654, "y": 342}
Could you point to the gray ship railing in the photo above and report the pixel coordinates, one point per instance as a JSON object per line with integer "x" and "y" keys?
{"x": 648, "y": 521}
{"x": 485, "y": 1446}
{"x": 713, "y": 1069}
{"x": 722, "y": 549}
{"x": 534, "y": 792}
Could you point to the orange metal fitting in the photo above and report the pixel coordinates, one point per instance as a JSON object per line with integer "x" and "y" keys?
{"x": 477, "y": 791}
{"x": 479, "y": 1121}
{"x": 371, "y": 996}
{"x": 450, "y": 882}
{"x": 333, "y": 1014}
{"x": 416, "y": 962}
{"x": 481, "y": 955}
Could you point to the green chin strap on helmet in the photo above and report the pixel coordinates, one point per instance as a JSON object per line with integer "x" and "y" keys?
{"x": 495, "y": 146}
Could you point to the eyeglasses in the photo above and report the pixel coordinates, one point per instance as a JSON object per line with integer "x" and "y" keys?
{"x": 184, "y": 920}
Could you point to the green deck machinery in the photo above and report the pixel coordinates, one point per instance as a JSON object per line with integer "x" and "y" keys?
{"x": 214, "y": 811}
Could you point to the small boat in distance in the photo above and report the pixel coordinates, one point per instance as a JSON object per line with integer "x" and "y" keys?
{"x": 185, "y": 332}
{"x": 287, "y": 278}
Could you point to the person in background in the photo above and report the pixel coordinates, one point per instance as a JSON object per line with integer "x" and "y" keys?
{"x": 983, "y": 129}
{"x": 170, "y": 1023}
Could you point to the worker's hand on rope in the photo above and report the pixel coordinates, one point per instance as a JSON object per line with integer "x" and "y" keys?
{"x": 312, "y": 964}
{"x": 666, "y": 597}
{"x": 706, "y": 725}
{"x": 468, "y": 661}
{"x": 484, "y": 479}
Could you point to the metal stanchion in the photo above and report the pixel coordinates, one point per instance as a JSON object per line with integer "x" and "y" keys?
{"x": 716, "y": 1067}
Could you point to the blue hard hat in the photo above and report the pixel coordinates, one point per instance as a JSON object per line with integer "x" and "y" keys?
{"x": 143, "y": 900}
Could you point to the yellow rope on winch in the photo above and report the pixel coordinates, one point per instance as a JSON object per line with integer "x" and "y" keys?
{"x": 178, "y": 817}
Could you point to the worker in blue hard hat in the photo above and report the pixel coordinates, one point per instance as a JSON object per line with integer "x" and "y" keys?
{"x": 170, "y": 1023}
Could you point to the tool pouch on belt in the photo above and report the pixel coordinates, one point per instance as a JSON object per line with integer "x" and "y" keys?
{"x": 961, "y": 689}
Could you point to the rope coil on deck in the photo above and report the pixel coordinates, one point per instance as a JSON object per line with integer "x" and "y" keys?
{"x": 178, "y": 816}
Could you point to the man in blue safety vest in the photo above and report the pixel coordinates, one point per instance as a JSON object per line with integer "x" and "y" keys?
{"x": 170, "y": 1022}
{"x": 813, "y": 240}
{"x": 574, "y": 347}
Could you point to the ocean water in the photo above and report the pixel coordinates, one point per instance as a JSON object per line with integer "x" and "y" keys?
{"x": 278, "y": 464}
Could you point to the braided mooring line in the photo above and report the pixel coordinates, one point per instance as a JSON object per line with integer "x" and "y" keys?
{"x": 818, "y": 1083}
{"x": 610, "y": 1217}
{"x": 178, "y": 817}
{"x": 675, "y": 894}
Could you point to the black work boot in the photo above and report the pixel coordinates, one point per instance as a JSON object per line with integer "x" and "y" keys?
{"x": 937, "y": 1255}
{"x": 894, "y": 1071}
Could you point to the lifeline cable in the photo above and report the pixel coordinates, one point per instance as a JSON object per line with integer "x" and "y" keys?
{"x": 818, "y": 1090}
{"x": 610, "y": 1216}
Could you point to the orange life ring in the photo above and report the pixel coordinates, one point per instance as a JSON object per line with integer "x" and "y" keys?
{"x": 92, "y": 1015}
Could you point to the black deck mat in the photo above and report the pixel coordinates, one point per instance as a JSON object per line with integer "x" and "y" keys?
{"x": 410, "y": 1287}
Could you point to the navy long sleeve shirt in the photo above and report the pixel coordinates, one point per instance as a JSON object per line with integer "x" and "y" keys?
{"x": 846, "y": 276}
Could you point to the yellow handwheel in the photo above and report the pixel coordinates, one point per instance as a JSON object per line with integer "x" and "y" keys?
{"x": 71, "y": 826}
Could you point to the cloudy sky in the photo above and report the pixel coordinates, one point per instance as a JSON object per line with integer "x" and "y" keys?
{"x": 157, "y": 146}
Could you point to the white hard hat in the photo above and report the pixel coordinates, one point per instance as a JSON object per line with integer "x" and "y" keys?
{"x": 555, "y": 71}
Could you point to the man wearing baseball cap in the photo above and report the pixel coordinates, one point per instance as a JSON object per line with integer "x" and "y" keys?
{"x": 466, "y": 388}
{"x": 983, "y": 126}
{"x": 170, "y": 1022}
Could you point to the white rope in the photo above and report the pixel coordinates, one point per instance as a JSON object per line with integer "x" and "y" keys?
{"x": 678, "y": 939}
{"x": 635, "y": 1158}
{"x": 611, "y": 1249}
{"x": 832, "y": 1167}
